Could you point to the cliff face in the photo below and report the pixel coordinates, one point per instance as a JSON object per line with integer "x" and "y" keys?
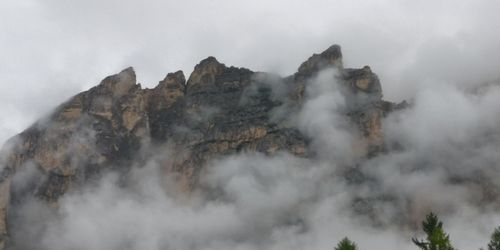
{"x": 218, "y": 111}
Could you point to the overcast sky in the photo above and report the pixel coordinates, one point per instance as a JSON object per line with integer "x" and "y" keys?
{"x": 423, "y": 50}
{"x": 53, "y": 49}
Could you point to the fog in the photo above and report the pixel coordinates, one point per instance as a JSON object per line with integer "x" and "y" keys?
{"x": 442, "y": 151}
{"x": 441, "y": 157}
{"x": 53, "y": 49}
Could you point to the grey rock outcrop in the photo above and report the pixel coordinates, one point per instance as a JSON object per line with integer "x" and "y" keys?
{"x": 218, "y": 111}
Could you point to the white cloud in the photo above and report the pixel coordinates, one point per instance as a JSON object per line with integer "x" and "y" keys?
{"x": 51, "y": 50}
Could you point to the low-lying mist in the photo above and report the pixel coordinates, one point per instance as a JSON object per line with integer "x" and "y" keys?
{"x": 441, "y": 155}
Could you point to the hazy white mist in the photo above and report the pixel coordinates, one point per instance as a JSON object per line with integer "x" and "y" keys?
{"x": 50, "y": 50}
{"x": 426, "y": 52}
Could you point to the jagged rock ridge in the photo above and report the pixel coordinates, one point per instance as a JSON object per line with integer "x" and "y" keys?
{"x": 218, "y": 111}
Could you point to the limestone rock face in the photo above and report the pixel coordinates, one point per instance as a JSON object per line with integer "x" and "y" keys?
{"x": 218, "y": 111}
{"x": 330, "y": 57}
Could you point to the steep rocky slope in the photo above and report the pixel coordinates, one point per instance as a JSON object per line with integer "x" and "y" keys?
{"x": 218, "y": 111}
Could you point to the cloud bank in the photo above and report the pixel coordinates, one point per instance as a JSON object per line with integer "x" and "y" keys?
{"x": 442, "y": 153}
{"x": 441, "y": 157}
{"x": 49, "y": 51}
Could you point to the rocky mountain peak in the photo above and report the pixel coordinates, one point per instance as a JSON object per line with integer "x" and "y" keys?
{"x": 205, "y": 71}
{"x": 331, "y": 57}
{"x": 219, "y": 111}
{"x": 120, "y": 83}
{"x": 173, "y": 82}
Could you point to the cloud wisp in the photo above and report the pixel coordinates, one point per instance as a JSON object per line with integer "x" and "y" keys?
{"x": 442, "y": 151}
{"x": 50, "y": 51}
{"x": 256, "y": 201}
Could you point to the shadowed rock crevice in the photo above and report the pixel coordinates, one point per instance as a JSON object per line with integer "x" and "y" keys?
{"x": 218, "y": 111}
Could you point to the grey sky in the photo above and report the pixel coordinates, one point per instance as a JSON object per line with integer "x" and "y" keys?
{"x": 287, "y": 202}
{"x": 50, "y": 50}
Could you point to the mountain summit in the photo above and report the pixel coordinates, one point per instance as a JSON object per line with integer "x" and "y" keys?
{"x": 217, "y": 111}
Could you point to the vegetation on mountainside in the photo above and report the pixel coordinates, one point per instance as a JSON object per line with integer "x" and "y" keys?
{"x": 436, "y": 238}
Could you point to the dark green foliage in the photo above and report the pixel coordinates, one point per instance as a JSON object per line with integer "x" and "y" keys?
{"x": 436, "y": 238}
{"x": 346, "y": 244}
{"x": 494, "y": 240}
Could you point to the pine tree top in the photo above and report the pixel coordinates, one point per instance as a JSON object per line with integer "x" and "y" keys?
{"x": 346, "y": 244}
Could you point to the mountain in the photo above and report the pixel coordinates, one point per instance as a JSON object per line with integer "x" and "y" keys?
{"x": 217, "y": 111}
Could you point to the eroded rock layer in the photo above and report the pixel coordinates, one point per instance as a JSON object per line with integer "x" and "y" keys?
{"x": 218, "y": 111}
